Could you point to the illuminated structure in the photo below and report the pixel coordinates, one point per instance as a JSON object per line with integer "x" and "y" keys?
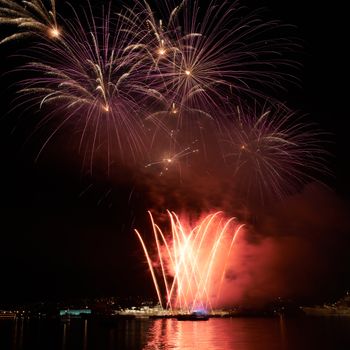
{"x": 75, "y": 312}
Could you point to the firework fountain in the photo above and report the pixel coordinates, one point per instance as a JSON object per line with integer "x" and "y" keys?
{"x": 190, "y": 262}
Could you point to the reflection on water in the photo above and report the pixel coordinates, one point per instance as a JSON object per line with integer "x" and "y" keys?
{"x": 251, "y": 334}
{"x": 170, "y": 334}
{"x": 72, "y": 334}
{"x": 282, "y": 326}
{"x": 64, "y": 336}
{"x": 215, "y": 334}
{"x": 85, "y": 334}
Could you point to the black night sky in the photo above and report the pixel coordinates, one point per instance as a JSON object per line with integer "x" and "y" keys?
{"x": 65, "y": 233}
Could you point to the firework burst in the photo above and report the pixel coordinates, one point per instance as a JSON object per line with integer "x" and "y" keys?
{"x": 272, "y": 151}
{"x": 29, "y": 17}
{"x": 200, "y": 60}
{"x": 87, "y": 79}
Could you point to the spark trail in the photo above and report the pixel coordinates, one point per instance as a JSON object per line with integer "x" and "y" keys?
{"x": 30, "y": 17}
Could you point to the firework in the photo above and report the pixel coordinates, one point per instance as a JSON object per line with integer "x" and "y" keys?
{"x": 200, "y": 60}
{"x": 182, "y": 68}
{"x": 272, "y": 151}
{"x": 30, "y": 17}
{"x": 87, "y": 80}
{"x": 190, "y": 262}
{"x": 173, "y": 159}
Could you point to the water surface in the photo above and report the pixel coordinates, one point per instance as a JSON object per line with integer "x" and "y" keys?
{"x": 216, "y": 334}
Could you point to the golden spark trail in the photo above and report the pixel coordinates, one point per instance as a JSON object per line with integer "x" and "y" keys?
{"x": 30, "y": 17}
{"x": 149, "y": 261}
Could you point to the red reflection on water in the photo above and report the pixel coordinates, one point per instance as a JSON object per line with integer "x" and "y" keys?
{"x": 215, "y": 334}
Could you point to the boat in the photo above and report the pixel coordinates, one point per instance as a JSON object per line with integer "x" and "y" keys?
{"x": 339, "y": 308}
{"x": 326, "y": 310}
{"x": 193, "y": 316}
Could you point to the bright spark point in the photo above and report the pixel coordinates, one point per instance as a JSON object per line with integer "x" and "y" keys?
{"x": 161, "y": 52}
{"x": 187, "y": 72}
{"x": 54, "y": 32}
{"x": 173, "y": 109}
{"x": 105, "y": 108}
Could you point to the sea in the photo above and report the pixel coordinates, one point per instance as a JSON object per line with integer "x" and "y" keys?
{"x": 300, "y": 333}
